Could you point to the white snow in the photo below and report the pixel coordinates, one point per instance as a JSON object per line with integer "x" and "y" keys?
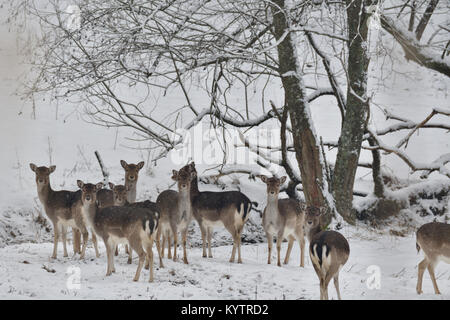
{"x": 69, "y": 143}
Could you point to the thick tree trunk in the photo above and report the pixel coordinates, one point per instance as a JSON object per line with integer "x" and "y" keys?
{"x": 306, "y": 144}
{"x": 356, "y": 110}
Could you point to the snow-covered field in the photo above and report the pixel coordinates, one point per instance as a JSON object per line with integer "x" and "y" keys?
{"x": 22, "y": 275}
{"x": 65, "y": 140}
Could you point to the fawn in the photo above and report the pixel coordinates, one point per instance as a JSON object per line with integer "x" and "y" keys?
{"x": 328, "y": 250}
{"x": 284, "y": 218}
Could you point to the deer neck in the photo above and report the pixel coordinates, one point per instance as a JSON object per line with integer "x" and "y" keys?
{"x": 194, "y": 188}
{"x": 184, "y": 202}
{"x": 313, "y": 231}
{"x": 44, "y": 193}
{"x": 272, "y": 205}
{"x": 131, "y": 185}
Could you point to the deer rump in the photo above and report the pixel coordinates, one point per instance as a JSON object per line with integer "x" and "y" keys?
{"x": 123, "y": 221}
{"x": 219, "y": 201}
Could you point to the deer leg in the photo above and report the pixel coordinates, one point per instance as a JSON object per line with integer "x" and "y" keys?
{"x": 279, "y": 240}
{"x": 158, "y": 248}
{"x": 270, "y": 245}
{"x": 137, "y": 246}
{"x": 431, "y": 266}
{"x": 110, "y": 256}
{"x": 203, "y": 232}
{"x": 85, "y": 234}
{"x": 55, "y": 239}
{"x": 336, "y": 285}
{"x": 130, "y": 254}
{"x": 184, "y": 233}
{"x": 302, "y": 251}
{"x": 233, "y": 252}
{"x": 289, "y": 249}
{"x": 169, "y": 244}
{"x": 209, "y": 243}
{"x": 239, "y": 232}
{"x": 64, "y": 239}
{"x": 422, "y": 266}
{"x": 94, "y": 241}
{"x": 162, "y": 243}
{"x": 150, "y": 258}
{"x": 175, "y": 242}
{"x": 76, "y": 241}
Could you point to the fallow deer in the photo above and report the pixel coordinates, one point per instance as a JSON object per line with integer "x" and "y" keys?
{"x": 229, "y": 209}
{"x": 284, "y": 218}
{"x": 134, "y": 224}
{"x": 176, "y": 211}
{"x": 117, "y": 195}
{"x": 434, "y": 239}
{"x": 328, "y": 250}
{"x": 63, "y": 208}
{"x": 131, "y": 178}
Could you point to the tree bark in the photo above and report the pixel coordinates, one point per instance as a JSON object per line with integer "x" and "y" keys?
{"x": 425, "y": 19}
{"x": 356, "y": 110}
{"x": 306, "y": 145}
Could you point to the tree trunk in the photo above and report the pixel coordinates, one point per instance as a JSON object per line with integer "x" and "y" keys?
{"x": 425, "y": 18}
{"x": 356, "y": 111}
{"x": 307, "y": 149}
{"x": 378, "y": 189}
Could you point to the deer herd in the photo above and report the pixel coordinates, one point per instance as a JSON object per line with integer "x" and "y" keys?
{"x": 114, "y": 215}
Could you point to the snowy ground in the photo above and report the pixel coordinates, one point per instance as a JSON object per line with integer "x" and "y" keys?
{"x": 22, "y": 275}
{"x": 64, "y": 139}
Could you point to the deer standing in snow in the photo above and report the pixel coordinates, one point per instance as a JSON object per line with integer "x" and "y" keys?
{"x": 434, "y": 240}
{"x": 283, "y": 218}
{"x": 229, "y": 209}
{"x": 328, "y": 250}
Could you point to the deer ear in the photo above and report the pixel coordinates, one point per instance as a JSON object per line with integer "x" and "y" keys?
{"x": 263, "y": 178}
{"x": 140, "y": 165}
{"x": 52, "y": 169}
{"x": 283, "y": 179}
{"x": 99, "y": 185}
{"x": 124, "y": 164}
{"x": 111, "y": 185}
{"x": 80, "y": 184}
{"x": 33, "y": 167}
{"x": 175, "y": 175}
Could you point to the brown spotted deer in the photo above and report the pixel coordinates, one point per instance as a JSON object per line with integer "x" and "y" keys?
{"x": 328, "y": 250}
{"x": 176, "y": 212}
{"x": 115, "y": 196}
{"x": 284, "y": 218}
{"x": 229, "y": 209}
{"x": 63, "y": 208}
{"x": 131, "y": 178}
{"x": 133, "y": 224}
{"x": 434, "y": 240}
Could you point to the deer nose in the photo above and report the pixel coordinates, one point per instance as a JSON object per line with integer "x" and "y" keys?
{"x": 131, "y": 177}
{"x": 88, "y": 198}
{"x": 272, "y": 192}
{"x": 41, "y": 180}
{"x": 184, "y": 186}
{"x": 309, "y": 222}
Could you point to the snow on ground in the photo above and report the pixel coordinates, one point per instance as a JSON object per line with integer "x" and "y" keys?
{"x": 22, "y": 275}
{"x": 65, "y": 140}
